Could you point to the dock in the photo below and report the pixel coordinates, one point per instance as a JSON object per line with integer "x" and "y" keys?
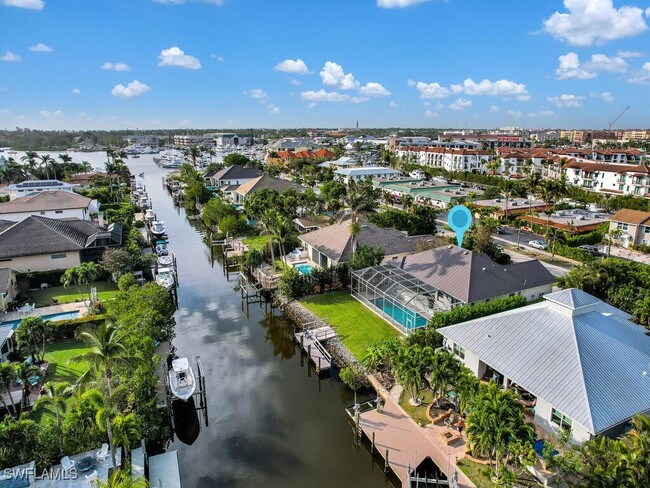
{"x": 310, "y": 344}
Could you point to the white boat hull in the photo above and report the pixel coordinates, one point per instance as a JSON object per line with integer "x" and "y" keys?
{"x": 182, "y": 382}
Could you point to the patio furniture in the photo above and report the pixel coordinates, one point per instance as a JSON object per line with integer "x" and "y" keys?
{"x": 442, "y": 416}
{"x": 91, "y": 477}
{"x": 66, "y": 463}
{"x": 102, "y": 454}
{"x": 86, "y": 463}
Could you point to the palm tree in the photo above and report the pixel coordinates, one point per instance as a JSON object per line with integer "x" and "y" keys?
{"x": 25, "y": 372}
{"x": 360, "y": 199}
{"x": 84, "y": 274}
{"x": 46, "y": 161}
{"x": 532, "y": 183}
{"x": 508, "y": 188}
{"x": 412, "y": 363}
{"x": 614, "y": 234}
{"x": 553, "y": 238}
{"x": 407, "y": 202}
{"x": 467, "y": 387}
{"x": 12, "y": 171}
{"x": 546, "y": 191}
{"x": 30, "y": 160}
{"x": 55, "y": 396}
{"x": 193, "y": 153}
{"x": 85, "y": 166}
{"x": 266, "y": 223}
{"x": 443, "y": 370}
{"x": 104, "y": 406}
{"x": 7, "y": 378}
{"x": 282, "y": 229}
{"x": 126, "y": 432}
{"x": 122, "y": 479}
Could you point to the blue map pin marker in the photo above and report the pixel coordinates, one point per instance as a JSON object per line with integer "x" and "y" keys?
{"x": 460, "y": 219}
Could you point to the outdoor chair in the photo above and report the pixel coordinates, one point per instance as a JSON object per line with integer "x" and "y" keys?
{"x": 66, "y": 463}
{"x": 91, "y": 477}
{"x": 102, "y": 454}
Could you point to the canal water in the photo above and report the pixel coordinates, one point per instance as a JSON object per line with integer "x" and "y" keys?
{"x": 271, "y": 422}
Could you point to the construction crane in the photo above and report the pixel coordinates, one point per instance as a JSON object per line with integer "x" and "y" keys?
{"x": 618, "y": 117}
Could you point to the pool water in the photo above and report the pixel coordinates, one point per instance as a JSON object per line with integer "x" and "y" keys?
{"x": 405, "y": 317}
{"x": 538, "y": 445}
{"x": 303, "y": 268}
{"x": 53, "y": 317}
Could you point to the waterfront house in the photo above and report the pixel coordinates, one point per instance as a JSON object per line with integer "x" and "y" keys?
{"x": 53, "y": 204}
{"x": 36, "y": 186}
{"x": 345, "y": 175}
{"x": 241, "y": 193}
{"x": 584, "y": 361}
{"x": 408, "y": 291}
{"x": 8, "y": 288}
{"x": 309, "y": 223}
{"x": 342, "y": 162}
{"x": 232, "y": 176}
{"x": 7, "y": 342}
{"x": 42, "y": 244}
{"x": 331, "y": 245}
{"x": 634, "y": 226}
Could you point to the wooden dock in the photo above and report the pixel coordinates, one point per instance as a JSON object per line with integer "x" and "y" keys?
{"x": 310, "y": 344}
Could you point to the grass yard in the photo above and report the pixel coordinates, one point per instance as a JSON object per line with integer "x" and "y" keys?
{"x": 47, "y": 296}
{"x": 419, "y": 414}
{"x": 256, "y": 242}
{"x": 355, "y": 324}
{"x": 474, "y": 472}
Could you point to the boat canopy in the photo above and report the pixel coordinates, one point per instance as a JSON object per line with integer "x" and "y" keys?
{"x": 180, "y": 365}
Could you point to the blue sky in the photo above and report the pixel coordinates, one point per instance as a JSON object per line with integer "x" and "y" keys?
{"x": 311, "y": 63}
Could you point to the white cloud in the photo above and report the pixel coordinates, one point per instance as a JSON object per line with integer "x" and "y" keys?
{"x": 515, "y": 114}
{"x": 590, "y": 22}
{"x": 56, "y": 115}
{"x": 9, "y": 57}
{"x": 570, "y": 69}
{"x": 133, "y": 89}
{"x": 116, "y": 66}
{"x": 293, "y": 81}
{"x": 28, "y": 4}
{"x": 641, "y": 77}
{"x": 393, "y": 105}
{"x": 630, "y": 54}
{"x": 431, "y": 90}
{"x": 426, "y": 104}
{"x": 40, "y": 48}
{"x": 569, "y": 101}
{"x": 410, "y": 82}
{"x": 439, "y": 106}
{"x": 76, "y": 91}
{"x": 273, "y": 109}
{"x": 541, "y": 113}
{"x": 324, "y": 96}
{"x": 398, "y": 3}
{"x": 359, "y": 99}
{"x": 175, "y": 57}
{"x": 333, "y": 75}
{"x": 295, "y": 66}
{"x": 217, "y": 57}
{"x": 429, "y": 113}
{"x": 494, "y": 108}
{"x": 601, "y": 62}
{"x": 605, "y": 96}
{"x": 257, "y": 94}
{"x": 460, "y": 104}
{"x": 373, "y": 89}
{"x": 499, "y": 88}
{"x": 311, "y": 105}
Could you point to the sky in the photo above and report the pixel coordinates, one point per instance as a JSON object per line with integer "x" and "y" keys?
{"x": 153, "y": 64}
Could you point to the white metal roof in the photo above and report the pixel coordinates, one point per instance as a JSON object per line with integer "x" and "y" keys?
{"x": 367, "y": 170}
{"x": 576, "y": 352}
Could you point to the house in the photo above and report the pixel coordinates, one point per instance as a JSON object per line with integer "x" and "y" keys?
{"x": 234, "y": 175}
{"x": 7, "y": 341}
{"x": 574, "y": 221}
{"x": 451, "y": 159}
{"x": 35, "y": 186}
{"x": 240, "y": 194}
{"x": 634, "y": 226}
{"x": 8, "y": 287}
{"x": 345, "y": 175}
{"x": 58, "y": 204}
{"x": 309, "y": 223}
{"x": 513, "y": 206}
{"x": 342, "y": 162}
{"x": 332, "y": 245}
{"x": 38, "y": 243}
{"x": 583, "y": 360}
{"x": 603, "y": 177}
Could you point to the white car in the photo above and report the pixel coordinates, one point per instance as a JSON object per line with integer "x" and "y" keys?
{"x": 541, "y": 245}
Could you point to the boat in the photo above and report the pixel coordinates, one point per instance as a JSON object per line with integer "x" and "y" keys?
{"x": 165, "y": 278}
{"x": 158, "y": 228}
{"x": 165, "y": 260}
{"x": 149, "y": 215}
{"x": 141, "y": 174}
{"x": 161, "y": 248}
{"x": 181, "y": 379}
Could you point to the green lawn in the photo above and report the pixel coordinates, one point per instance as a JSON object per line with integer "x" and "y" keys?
{"x": 474, "y": 472}
{"x": 47, "y": 296}
{"x": 419, "y": 414}
{"x": 256, "y": 242}
{"x": 355, "y": 324}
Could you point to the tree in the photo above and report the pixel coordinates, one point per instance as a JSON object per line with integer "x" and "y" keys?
{"x": 495, "y": 421}
{"x": 126, "y": 432}
{"x": 508, "y": 188}
{"x": 267, "y": 224}
{"x": 122, "y": 479}
{"x": 365, "y": 257}
{"x": 55, "y": 395}
{"x": 7, "y": 378}
{"x": 361, "y": 198}
{"x": 116, "y": 262}
{"x": 407, "y": 201}
{"x": 353, "y": 377}
{"x": 105, "y": 412}
{"x": 412, "y": 363}
{"x": 46, "y": 161}
{"x": 32, "y": 332}
{"x": 24, "y": 373}
{"x": 83, "y": 275}
{"x": 443, "y": 370}
{"x": 553, "y": 238}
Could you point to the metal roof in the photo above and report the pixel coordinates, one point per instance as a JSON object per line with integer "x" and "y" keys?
{"x": 576, "y": 352}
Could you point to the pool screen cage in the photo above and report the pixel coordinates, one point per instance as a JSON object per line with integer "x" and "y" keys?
{"x": 402, "y": 299}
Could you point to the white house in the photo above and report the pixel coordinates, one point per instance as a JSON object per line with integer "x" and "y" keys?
{"x": 585, "y": 362}
{"x": 53, "y": 204}
{"x": 35, "y": 186}
{"x": 446, "y": 157}
{"x": 613, "y": 178}
{"x": 345, "y": 175}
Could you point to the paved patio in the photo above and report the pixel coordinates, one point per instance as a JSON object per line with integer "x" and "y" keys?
{"x": 41, "y": 311}
{"x": 78, "y": 480}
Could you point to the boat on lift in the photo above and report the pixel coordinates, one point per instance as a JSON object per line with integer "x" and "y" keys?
{"x": 157, "y": 228}
{"x": 182, "y": 382}
{"x": 166, "y": 260}
{"x": 165, "y": 278}
{"x": 149, "y": 216}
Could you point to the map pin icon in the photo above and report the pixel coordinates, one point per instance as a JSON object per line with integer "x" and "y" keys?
{"x": 460, "y": 219}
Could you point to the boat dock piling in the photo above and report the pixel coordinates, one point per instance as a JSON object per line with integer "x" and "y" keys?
{"x": 310, "y": 344}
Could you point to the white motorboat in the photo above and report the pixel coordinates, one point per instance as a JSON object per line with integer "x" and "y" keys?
{"x": 165, "y": 278}
{"x": 158, "y": 228}
{"x": 165, "y": 261}
{"x": 181, "y": 379}
{"x": 149, "y": 215}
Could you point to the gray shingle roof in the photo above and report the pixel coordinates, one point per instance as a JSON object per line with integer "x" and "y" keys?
{"x": 5, "y": 224}
{"x": 237, "y": 172}
{"x": 473, "y": 277}
{"x": 41, "y": 235}
{"x": 268, "y": 182}
{"x": 5, "y": 273}
{"x": 581, "y": 355}
{"x": 47, "y": 200}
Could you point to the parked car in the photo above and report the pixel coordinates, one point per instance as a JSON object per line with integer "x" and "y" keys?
{"x": 593, "y": 250}
{"x": 538, "y": 245}
{"x": 501, "y": 230}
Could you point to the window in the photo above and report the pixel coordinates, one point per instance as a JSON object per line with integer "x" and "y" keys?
{"x": 623, "y": 226}
{"x": 58, "y": 211}
{"x": 560, "y": 419}
{"x": 59, "y": 256}
{"x": 459, "y": 351}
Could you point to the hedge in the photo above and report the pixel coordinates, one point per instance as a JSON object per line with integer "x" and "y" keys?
{"x": 471, "y": 312}
{"x": 572, "y": 252}
{"x": 590, "y": 238}
{"x": 67, "y": 329}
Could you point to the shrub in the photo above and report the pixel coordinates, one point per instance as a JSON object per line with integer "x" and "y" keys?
{"x": 67, "y": 329}
{"x": 138, "y": 224}
{"x": 471, "y": 312}
{"x": 590, "y": 238}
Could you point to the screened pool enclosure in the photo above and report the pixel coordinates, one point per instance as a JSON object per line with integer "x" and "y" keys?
{"x": 402, "y": 299}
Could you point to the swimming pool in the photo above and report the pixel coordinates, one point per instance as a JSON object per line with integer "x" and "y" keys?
{"x": 304, "y": 268}
{"x": 74, "y": 314}
{"x": 403, "y": 316}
